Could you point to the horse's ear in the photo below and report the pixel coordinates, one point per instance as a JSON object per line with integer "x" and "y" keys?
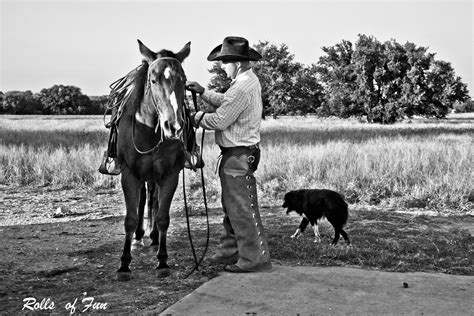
{"x": 184, "y": 52}
{"x": 146, "y": 52}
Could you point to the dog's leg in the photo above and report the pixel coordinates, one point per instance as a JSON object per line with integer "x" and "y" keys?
{"x": 337, "y": 231}
{"x": 296, "y": 234}
{"x": 346, "y": 238}
{"x": 317, "y": 236}
{"x": 301, "y": 228}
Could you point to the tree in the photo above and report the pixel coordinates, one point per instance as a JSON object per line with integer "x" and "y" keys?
{"x": 464, "y": 107}
{"x": 413, "y": 98}
{"x": 219, "y": 81}
{"x": 97, "y": 105}
{"x": 338, "y": 78}
{"x": 443, "y": 90}
{"x": 388, "y": 81}
{"x": 382, "y": 70}
{"x": 307, "y": 94}
{"x": 277, "y": 73}
{"x": 21, "y": 102}
{"x": 61, "y": 99}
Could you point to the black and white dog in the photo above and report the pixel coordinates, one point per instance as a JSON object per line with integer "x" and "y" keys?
{"x": 315, "y": 204}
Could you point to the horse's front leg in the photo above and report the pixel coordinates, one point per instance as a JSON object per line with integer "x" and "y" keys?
{"x": 153, "y": 193}
{"x": 162, "y": 219}
{"x": 131, "y": 190}
{"x": 138, "y": 241}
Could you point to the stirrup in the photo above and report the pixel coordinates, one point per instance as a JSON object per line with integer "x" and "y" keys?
{"x": 193, "y": 161}
{"x": 109, "y": 165}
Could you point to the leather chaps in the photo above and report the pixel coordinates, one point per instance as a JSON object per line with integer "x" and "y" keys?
{"x": 244, "y": 232}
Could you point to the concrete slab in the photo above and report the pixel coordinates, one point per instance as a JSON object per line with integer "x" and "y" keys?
{"x": 329, "y": 291}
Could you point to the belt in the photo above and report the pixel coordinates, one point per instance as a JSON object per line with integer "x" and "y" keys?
{"x": 256, "y": 146}
{"x": 251, "y": 147}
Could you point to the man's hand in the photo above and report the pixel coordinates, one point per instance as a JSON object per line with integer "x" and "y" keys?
{"x": 196, "y": 119}
{"x": 194, "y": 86}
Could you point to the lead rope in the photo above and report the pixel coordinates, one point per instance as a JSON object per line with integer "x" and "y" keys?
{"x": 203, "y": 185}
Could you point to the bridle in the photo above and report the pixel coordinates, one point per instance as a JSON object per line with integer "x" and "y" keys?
{"x": 155, "y": 106}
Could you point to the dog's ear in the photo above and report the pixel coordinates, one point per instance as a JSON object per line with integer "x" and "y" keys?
{"x": 288, "y": 202}
{"x": 294, "y": 200}
{"x": 285, "y": 200}
{"x": 293, "y": 196}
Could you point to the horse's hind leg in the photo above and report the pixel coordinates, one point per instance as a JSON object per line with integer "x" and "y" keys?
{"x": 138, "y": 241}
{"x": 162, "y": 219}
{"x": 131, "y": 190}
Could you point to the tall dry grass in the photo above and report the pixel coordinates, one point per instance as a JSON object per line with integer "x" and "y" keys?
{"x": 418, "y": 163}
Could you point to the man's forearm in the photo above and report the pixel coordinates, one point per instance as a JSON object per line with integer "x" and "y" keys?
{"x": 215, "y": 99}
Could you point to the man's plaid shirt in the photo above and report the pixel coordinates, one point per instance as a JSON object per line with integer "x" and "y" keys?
{"x": 238, "y": 113}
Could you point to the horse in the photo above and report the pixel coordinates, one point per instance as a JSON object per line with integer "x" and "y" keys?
{"x": 151, "y": 143}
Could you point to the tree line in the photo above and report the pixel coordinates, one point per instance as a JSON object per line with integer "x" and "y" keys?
{"x": 59, "y": 99}
{"x": 383, "y": 82}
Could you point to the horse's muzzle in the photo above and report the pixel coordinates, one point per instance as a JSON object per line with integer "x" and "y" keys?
{"x": 172, "y": 130}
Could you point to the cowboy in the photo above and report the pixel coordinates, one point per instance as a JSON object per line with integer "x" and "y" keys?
{"x": 236, "y": 121}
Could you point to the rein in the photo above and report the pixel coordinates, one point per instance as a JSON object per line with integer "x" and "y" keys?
{"x": 203, "y": 185}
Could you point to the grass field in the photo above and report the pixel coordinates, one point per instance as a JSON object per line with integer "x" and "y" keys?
{"x": 409, "y": 186}
{"x": 420, "y": 163}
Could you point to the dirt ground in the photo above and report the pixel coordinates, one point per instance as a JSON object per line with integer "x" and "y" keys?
{"x": 62, "y": 248}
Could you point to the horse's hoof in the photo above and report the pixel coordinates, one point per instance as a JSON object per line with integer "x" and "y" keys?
{"x": 137, "y": 244}
{"x": 124, "y": 276}
{"x": 162, "y": 273}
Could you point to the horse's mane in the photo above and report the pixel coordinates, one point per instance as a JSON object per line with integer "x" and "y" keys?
{"x": 126, "y": 93}
{"x": 136, "y": 80}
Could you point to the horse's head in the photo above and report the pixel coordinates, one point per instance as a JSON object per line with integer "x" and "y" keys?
{"x": 166, "y": 87}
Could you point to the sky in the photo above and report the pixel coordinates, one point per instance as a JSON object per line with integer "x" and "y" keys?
{"x": 90, "y": 44}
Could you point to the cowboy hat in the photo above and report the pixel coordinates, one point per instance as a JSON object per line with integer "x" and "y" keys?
{"x": 234, "y": 48}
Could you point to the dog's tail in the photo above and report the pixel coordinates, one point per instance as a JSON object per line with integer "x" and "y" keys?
{"x": 344, "y": 213}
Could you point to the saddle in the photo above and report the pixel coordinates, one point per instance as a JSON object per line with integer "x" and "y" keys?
{"x": 120, "y": 92}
